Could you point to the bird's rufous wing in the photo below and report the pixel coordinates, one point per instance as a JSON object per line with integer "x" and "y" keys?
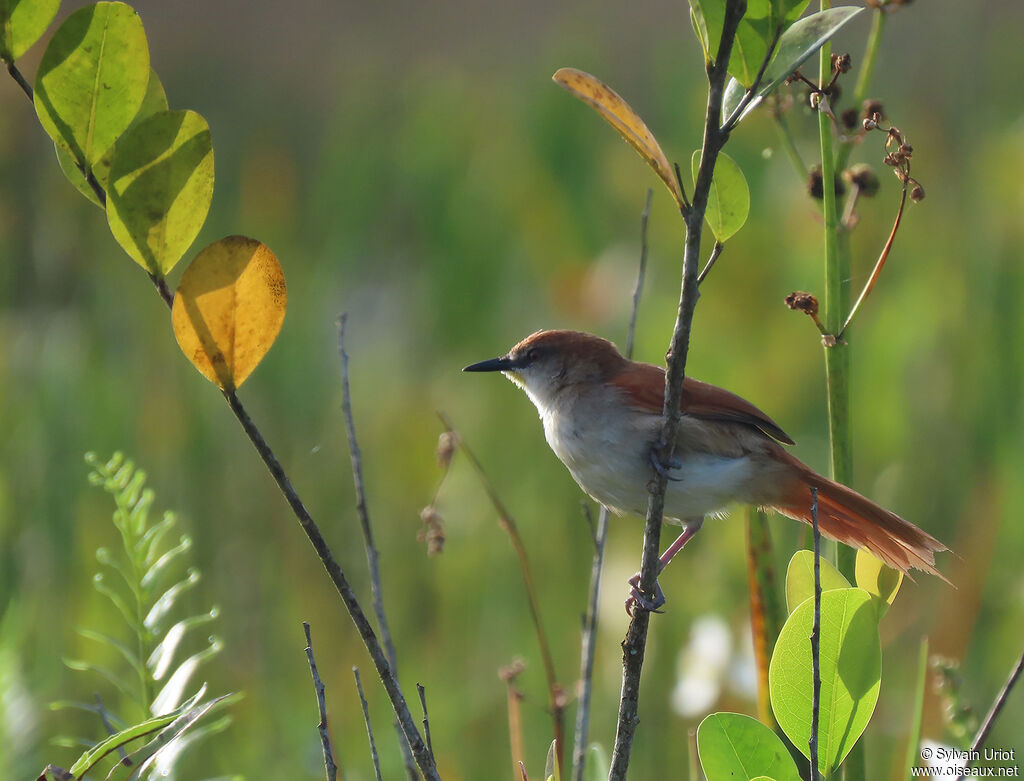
{"x": 644, "y": 386}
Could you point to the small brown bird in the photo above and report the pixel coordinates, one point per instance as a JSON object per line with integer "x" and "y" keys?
{"x": 602, "y": 416}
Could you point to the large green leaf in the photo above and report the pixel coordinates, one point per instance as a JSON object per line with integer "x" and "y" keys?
{"x": 734, "y": 747}
{"x": 753, "y": 35}
{"x": 22, "y": 23}
{"x": 800, "y": 578}
{"x": 796, "y": 44}
{"x": 851, "y": 669}
{"x": 92, "y": 79}
{"x": 161, "y": 185}
{"x": 729, "y": 199}
{"x": 91, "y": 757}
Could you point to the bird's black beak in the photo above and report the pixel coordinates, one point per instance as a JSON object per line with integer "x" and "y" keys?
{"x": 504, "y": 363}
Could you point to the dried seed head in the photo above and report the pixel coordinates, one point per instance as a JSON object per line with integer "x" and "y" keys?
{"x": 906, "y": 150}
{"x": 815, "y": 186}
{"x": 891, "y": 159}
{"x": 849, "y": 118}
{"x": 917, "y": 193}
{"x": 873, "y": 109}
{"x": 870, "y": 124}
{"x": 511, "y": 671}
{"x": 432, "y": 532}
{"x": 841, "y": 63}
{"x": 864, "y": 177}
{"x": 802, "y": 302}
{"x": 446, "y": 444}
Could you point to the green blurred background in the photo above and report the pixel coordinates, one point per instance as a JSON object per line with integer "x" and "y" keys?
{"x": 412, "y": 164}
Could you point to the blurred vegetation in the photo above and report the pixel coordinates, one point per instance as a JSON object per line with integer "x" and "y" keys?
{"x": 414, "y": 166}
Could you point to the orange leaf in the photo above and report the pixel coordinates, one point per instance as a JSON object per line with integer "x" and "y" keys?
{"x": 618, "y": 113}
{"x": 228, "y": 309}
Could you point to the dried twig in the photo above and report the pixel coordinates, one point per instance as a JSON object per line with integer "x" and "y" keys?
{"x": 426, "y": 719}
{"x": 372, "y": 555}
{"x": 366, "y": 718}
{"x": 343, "y": 587}
{"x": 997, "y": 706}
{"x": 321, "y": 701}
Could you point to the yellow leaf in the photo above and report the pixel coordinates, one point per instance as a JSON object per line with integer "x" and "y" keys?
{"x": 880, "y": 581}
{"x": 618, "y": 113}
{"x": 228, "y": 309}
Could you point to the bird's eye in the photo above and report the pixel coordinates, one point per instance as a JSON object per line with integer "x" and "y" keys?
{"x": 532, "y": 354}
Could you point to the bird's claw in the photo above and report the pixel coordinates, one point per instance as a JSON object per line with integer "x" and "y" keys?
{"x": 662, "y": 468}
{"x": 637, "y": 598}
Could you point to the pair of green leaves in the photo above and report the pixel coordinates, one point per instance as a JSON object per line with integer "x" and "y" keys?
{"x": 729, "y": 199}
{"x": 107, "y": 114}
{"x": 732, "y": 746}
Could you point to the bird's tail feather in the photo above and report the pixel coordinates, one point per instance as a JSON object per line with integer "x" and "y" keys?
{"x": 852, "y": 519}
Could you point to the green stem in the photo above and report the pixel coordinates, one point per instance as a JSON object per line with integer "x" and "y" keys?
{"x": 837, "y": 354}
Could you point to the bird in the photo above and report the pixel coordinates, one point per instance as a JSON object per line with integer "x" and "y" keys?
{"x": 602, "y": 415}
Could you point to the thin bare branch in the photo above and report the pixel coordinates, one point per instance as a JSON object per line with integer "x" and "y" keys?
{"x": 589, "y": 638}
{"x": 421, "y": 690}
{"x": 372, "y": 555}
{"x": 879, "y": 264}
{"x": 734, "y": 117}
{"x": 321, "y": 701}
{"x": 997, "y": 706}
{"x": 366, "y": 719}
{"x": 635, "y": 643}
{"x": 815, "y": 639}
{"x": 342, "y": 586}
{"x": 715, "y": 252}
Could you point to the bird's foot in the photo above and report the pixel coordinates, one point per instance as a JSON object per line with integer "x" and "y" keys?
{"x": 662, "y": 467}
{"x": 637, "y": 598}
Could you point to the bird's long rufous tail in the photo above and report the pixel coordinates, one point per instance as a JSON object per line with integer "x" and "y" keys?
{"x": 852, "y": 519}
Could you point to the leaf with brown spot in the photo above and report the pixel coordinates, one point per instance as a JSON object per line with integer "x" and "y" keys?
{"x": 229, "y": 308}
{"x": 620, "y": 115}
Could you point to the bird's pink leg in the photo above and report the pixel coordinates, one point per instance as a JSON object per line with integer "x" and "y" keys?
{"x": 636, "y": 596}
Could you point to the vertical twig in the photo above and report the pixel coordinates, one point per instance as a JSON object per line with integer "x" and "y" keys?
{"x": 321, "y": 701}
{"x": 426, "y": 719}
{"x": 815, "y": 639}
{"x": 589, "y": 638}
{"x": 635, "y": 643}
{"x": 369, "y": 729}
{"x": 556, "y": 695}
{"x": 372, "y": 555}
{"x": 515, "y": 721}
{"x": 997, "y": 706}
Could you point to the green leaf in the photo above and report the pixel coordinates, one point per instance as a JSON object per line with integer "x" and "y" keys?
{"x": 734, "y": 747}
{"x": 756, "y": 30}
{"x": 708, "y": 18}
{"x": 168, "y": 599}
{"x": 22, "y": 23}
{"x": 880, "y": 581}
{"x": 160, "y": 660}
{"x": 851, "y": 668}
{"x": 729, "y": 199}
{"x": 92, "y": 79}
{"x": 551, "y": 771}
{"x": 796, "y": 44}
{"x": 161, "y": 185}
{"x": 155, "y": 100}
{"x": 800, "y": 578}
